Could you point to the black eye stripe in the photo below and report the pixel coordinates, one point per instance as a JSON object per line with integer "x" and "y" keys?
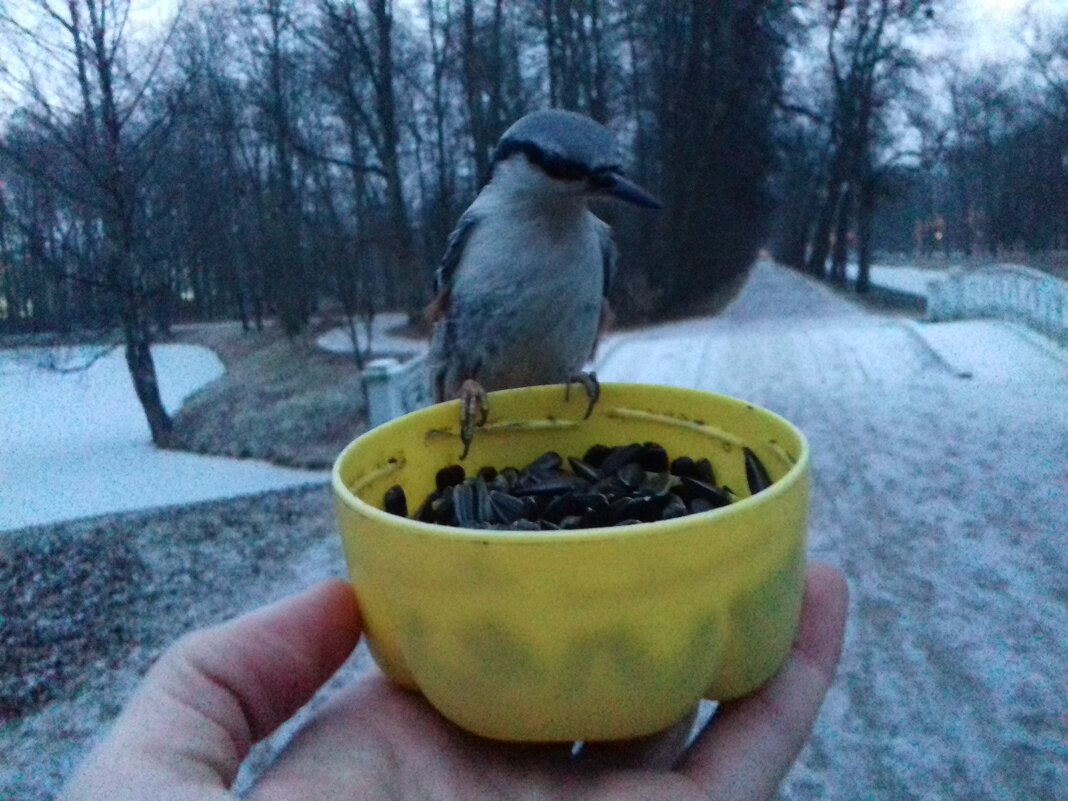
{"x": 552, "y": 165}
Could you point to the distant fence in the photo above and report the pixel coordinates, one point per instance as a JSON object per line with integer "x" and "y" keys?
{"x": 1012, "y": 292}
{"x": 395, "y": 388}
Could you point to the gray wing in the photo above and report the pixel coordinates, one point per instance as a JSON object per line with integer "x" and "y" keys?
{"x": 454, "y": 251}
{"x": 609, "y": 256}
{"x": 443, "y": 348}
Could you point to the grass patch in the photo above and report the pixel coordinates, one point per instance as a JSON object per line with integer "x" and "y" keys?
{"x": 286, "y": 401}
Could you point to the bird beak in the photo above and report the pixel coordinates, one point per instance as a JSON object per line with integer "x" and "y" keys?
{"x": 620, "y": 187}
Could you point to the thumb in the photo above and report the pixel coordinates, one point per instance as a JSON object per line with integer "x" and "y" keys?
{"x": 215, "y": 693}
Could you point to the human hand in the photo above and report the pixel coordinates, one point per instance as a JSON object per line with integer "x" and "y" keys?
{"x": 217, "y": 691}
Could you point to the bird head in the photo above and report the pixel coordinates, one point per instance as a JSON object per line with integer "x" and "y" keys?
{"x": 564, "y": 153}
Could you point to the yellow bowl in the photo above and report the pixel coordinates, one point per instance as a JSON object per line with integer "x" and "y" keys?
{"x": 594, "y": 634}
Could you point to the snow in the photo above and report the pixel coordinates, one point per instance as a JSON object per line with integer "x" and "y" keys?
{"x": 943, "y": 498}
{"x": 77, "y": 444}
{"x": 995, "y": 350}
{"x": 940, "y": 487}
{"x": 911, "y": 280}
{"x": 384, "y": 341}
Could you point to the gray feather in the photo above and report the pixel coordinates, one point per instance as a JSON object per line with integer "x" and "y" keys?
{"x": 609, "y": 257}
{"x": 454, "y": 251}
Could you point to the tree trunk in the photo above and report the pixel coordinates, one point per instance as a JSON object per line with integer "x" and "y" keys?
{"x": 840, "y": 255}
{"x": 821, "y": 240}
{"x": 120, "y": 230}
{"x": 143, "y": 373}
{"x": 865, "y": 224}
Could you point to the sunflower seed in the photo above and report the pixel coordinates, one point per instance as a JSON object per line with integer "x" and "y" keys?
{"x": 755, "y": 474}
{"x": 395, "y": 501}
{"x": 450, "y": 476}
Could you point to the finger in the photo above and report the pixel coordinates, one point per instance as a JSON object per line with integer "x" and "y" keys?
{"x": 751, "y": 743}
{"x": 216, "y": 692}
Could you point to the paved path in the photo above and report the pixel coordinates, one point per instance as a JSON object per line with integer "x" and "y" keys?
{"x": 945, "y": 501}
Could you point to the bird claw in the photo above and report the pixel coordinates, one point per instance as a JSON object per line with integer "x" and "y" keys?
{"x": 472, "y": 405}
{"x": 590, "y": 384}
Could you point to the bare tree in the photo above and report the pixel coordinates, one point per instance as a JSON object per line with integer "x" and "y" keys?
{"x": 363, "y": 48}
{"x": 112, "y": 139}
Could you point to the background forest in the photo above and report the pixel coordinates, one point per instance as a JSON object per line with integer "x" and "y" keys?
{"x": 261, "y": 159}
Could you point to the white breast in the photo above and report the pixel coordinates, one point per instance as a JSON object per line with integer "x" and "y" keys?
{"x": 527, "y": 294}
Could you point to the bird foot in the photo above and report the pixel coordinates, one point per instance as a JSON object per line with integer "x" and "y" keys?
{"x": 473, "y": 412}
{"x": 590, "y": 384}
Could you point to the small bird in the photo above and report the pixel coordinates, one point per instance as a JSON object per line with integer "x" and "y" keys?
{"x": 521, "y": 290}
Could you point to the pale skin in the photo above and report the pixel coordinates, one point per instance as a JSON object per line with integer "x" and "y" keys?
{"x": 216, "y": 692}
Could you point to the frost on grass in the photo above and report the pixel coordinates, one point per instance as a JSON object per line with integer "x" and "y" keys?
{"x": 288, "y": 402}
{"x": 87, "y": 606}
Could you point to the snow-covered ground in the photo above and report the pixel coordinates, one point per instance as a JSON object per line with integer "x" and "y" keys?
{"x": 940, "y": 487}
{"x": 383, "y": 340}
{"x": 940, "y": 467}
{"x": 75, "y": 444}
{"x": 912, "y": 280}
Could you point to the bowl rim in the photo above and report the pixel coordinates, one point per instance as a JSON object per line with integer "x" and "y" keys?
{"x": 744, "y": 505}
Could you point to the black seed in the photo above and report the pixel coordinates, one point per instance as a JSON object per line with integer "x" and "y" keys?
{"x": 560, "y": 507}
{"x": 596, "y": 517}
{"x": 596, "y": 455}
{"x": 547, "y": 461}
{"x": 683, "y": 466}
{"x": 702, "y": 471}
{"x": 449, "y": 476}
{"x": 442, "y": 507}
{"x": 531, "y": 507}
{"x": 617, "y": 509}
{"x": 755, "y": 474}
{"x": 483, "y": 506}
{"x": 698, "y": 505}
{"x": 611, "y": 488}
{"x": 506, "y": 508}
{"x": 592, "y": 500}
{"x": 542, "y": 485}
{"x": 658, "y": 485}
{"x": 627, "y": 523}
{"x": 632, "y": 475}
{"x": 425, "y": 512}
{"x": 463, "y": 501}
{"x": 395, "y": 501}
{"x": 620, "y": 456}
{"x": 673, "y": 508}
{"x": 691, "y": 489}
{"x": 653, "y": 458}
{"x": 586, "y": 471}
{"x": 642, "y": 509}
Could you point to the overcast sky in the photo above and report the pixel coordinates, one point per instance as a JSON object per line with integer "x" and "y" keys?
{"x": 988, "y": 28}
{"x": 973, "y": 31}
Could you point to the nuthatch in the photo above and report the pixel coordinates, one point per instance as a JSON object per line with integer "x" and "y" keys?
{"x": 522, "y": 287}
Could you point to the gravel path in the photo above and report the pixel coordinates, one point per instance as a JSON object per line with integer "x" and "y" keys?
{"x": 945, "y": 501}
